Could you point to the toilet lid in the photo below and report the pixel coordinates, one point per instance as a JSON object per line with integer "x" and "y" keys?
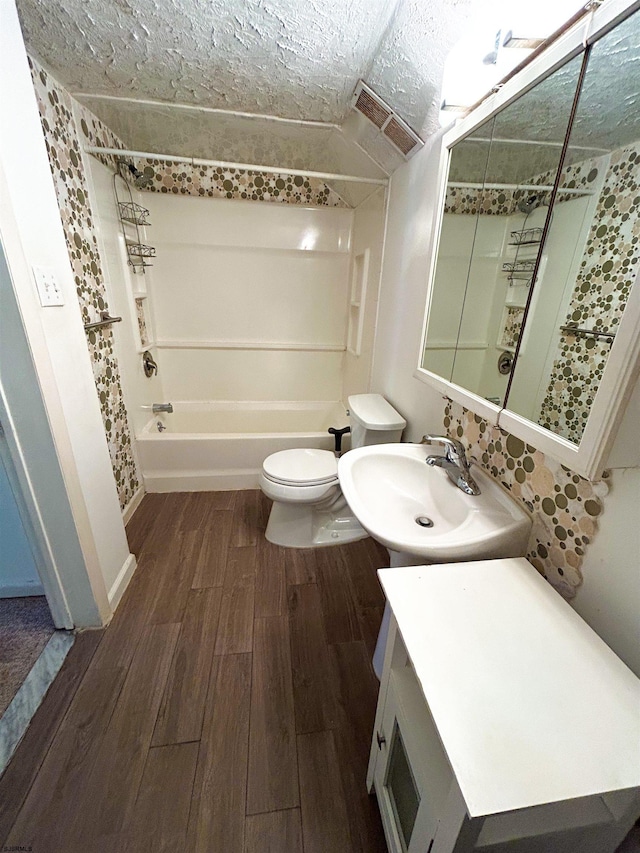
{"x": 305, "y": 466}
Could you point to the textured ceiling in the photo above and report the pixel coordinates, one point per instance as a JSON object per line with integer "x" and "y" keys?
{"x": 607, "y": 117}
{"x": 297, "y": 59}
{"x": 292, "y": 59}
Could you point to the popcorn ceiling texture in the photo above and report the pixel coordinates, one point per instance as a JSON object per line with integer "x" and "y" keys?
{"x": 565, "y": 507}
{"x": 298, "y": 60}
{"x": 65, "y": 157}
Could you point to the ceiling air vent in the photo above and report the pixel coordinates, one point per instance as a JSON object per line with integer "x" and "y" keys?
{"x": 371, "y": 107}
{"x": 396, "y": 131}
{"x": 401, "y": 136}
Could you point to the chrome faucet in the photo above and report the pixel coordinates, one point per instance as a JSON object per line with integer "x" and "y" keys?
{"x": 454, "y": 462}
{"x": 162, "y": 407}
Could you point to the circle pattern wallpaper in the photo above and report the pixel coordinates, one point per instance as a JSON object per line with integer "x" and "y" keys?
{"x": 564, "y": 506}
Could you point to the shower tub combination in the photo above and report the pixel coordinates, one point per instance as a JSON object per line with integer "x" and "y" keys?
{"x": 212, "y": 446}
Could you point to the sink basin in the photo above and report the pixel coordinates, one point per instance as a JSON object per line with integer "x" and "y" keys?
{"x": 393, "y": 493}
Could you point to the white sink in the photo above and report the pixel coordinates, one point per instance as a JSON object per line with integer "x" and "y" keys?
{"x": 389, "y": 486}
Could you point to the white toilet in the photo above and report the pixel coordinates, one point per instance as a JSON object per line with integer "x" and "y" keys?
{"x": 309, "y": 509}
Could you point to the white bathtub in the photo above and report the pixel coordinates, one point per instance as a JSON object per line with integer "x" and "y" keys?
{"x": 209, "y": 446}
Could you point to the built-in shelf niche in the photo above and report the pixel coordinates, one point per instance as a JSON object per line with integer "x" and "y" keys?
{"x": 358, "y": 295}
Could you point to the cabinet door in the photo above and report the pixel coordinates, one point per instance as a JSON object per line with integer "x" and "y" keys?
{"x": 412, "y": 775}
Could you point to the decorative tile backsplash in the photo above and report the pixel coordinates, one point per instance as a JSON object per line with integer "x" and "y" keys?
{"x": 64, "y": 149}
{"x": 565, "y": 507}
{"x": 213, "y": 182}
{"x": 607, "y": 271}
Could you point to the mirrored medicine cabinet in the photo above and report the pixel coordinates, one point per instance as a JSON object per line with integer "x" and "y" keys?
{"x": 533, "y": 310}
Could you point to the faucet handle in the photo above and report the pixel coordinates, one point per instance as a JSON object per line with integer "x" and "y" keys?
{"x": 451, "y": 444}
{"x": 148, "y": 364}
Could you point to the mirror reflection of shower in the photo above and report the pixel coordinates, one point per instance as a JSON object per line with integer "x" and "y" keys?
{"x": 529, "y": 204}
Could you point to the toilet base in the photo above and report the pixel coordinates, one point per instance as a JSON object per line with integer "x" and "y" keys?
{"x": 303, "y": 526}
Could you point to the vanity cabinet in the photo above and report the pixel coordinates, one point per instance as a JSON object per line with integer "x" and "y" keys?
{"x": 504, "y": 723}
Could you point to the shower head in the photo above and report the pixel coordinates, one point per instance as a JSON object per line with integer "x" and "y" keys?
{"x": 140, "y": 179}
{"x": 529, "y": 204}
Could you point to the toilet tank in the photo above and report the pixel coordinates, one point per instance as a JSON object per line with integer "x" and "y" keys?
{"x": 373, "y": 420}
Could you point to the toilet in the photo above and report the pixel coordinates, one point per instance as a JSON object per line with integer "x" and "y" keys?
{"x": 309, "y": 509}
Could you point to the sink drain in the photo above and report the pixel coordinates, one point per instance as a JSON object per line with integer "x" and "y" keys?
{"x": 424, "y": 521}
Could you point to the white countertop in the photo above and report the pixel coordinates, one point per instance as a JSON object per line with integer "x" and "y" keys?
{"x": 531, "y": 705}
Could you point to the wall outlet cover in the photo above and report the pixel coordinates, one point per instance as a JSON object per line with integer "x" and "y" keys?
{"x": 49, "y": 290}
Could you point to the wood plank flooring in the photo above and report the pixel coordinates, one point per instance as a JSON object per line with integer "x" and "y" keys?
{"x": 228, "y": 707}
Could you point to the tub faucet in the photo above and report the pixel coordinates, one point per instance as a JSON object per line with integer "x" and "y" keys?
{"x": 454, "y": 462}
{"x": 162, "y": 407}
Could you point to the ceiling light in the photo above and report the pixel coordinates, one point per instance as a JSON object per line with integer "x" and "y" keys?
{"x": 521, "y": 42}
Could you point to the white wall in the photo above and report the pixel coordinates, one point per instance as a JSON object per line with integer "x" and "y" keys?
{"x": 368, "y": 234}
{"x": 248, "y": 299}
{"x": 56, "y": 336}
{"x": 75, "y": 596}
{"x": 403, "y": 293}
{"x": 609, "y": 599}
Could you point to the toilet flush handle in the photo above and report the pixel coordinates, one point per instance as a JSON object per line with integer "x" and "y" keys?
{"x": 337, "y": 434}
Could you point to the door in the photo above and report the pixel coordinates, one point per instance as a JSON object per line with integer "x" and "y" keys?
{"x": 18, "y": 573}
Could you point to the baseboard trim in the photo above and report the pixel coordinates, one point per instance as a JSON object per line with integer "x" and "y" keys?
{"x": 21, "y": 590}
{"x": 202, "y": 481}
{"x": 133, "y": 505}
{"x": 122, "y": 581}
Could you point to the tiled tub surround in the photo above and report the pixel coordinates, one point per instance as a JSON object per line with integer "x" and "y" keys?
{"x": 64, "y": 144}
{"x": 565, "y": 507}
{"x": 607, "y": 271}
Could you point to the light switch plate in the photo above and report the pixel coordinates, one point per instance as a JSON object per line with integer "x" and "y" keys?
{"x": 48, "y": 288}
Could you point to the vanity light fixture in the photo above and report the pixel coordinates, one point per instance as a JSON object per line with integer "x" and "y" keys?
{"x": 511, "y": 40}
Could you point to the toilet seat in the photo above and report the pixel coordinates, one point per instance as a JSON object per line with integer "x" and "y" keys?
{"x": 302, "y": 467}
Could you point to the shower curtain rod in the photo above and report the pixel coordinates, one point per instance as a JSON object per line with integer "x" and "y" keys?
{"x": 539, "y": 187}
{"x": 223, "y": 164}
{"x": 145, "y": 102}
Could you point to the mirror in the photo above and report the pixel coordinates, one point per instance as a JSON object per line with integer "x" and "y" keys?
{"x": 491, "y": 328}
{"x": 592, "y": 251}
{"x": 499, "y": 183}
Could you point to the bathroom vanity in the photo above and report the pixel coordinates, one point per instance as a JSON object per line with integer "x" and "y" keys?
{"x": 504, "y": 723}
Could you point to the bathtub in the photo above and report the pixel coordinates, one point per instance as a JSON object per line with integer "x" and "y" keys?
{"x": 210, "y": 446}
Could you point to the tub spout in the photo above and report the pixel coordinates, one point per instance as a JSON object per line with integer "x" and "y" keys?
{"x": 162, "y": 407}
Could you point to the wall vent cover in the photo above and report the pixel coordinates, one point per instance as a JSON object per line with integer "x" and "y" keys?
{"x": 395, "y": 130}
{"x": 372, "y": 108}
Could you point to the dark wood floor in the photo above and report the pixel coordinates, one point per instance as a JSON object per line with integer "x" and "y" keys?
{"x": 227, "y": 708}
